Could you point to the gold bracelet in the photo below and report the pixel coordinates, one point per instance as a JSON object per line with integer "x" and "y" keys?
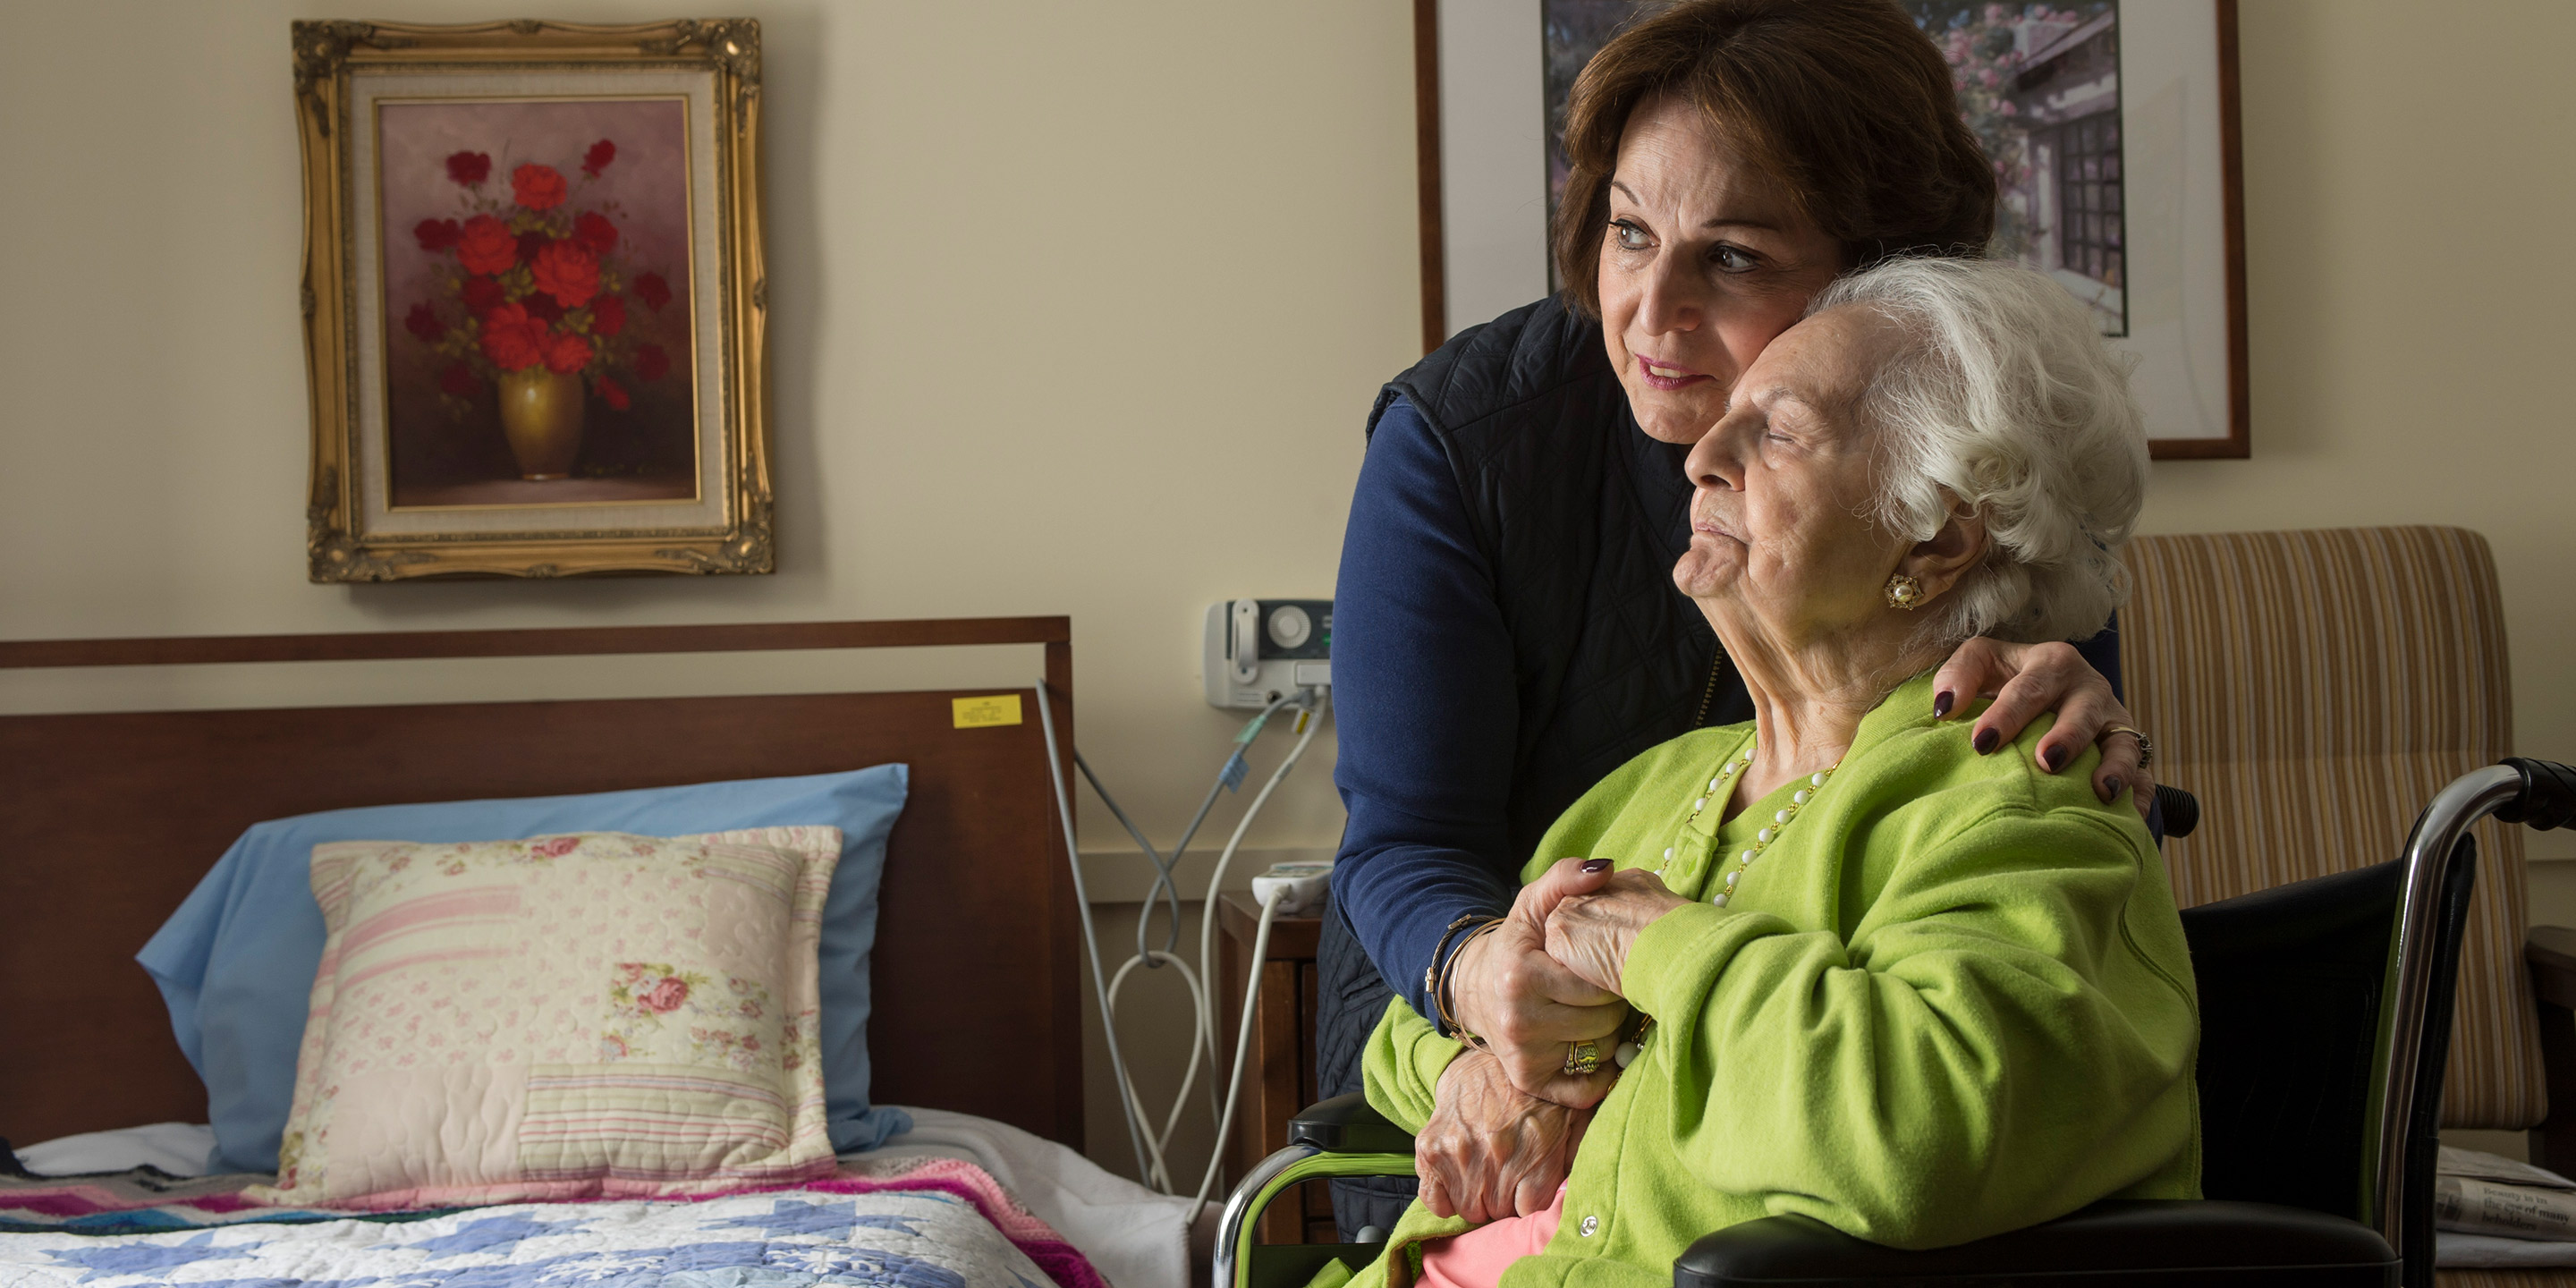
{"x": 1443, "y": 997}
{"x": 1431, "y": 972}
{"x": 1435, "y": 977}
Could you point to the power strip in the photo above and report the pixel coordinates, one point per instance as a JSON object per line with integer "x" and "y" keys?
{"x": 1302, "y": 887}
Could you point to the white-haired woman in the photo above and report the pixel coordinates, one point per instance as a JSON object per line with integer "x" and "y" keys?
{"x": 1921, "y": 994}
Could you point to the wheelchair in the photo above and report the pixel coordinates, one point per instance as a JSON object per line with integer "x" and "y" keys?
{"x": 2325, "y": 1025}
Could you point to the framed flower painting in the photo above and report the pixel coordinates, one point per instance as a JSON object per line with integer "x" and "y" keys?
{"x": 534, "y": 299}
{"x": 2111, "y": 124}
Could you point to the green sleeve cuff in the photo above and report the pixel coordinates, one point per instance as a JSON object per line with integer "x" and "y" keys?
{"x": 1401, "y": 1068}
{"x": 1676, "y": 957}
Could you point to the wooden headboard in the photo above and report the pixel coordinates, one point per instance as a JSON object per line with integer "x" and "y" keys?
{"x": 112, "y": 818}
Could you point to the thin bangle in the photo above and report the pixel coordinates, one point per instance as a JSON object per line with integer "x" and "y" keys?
{"x": 1431, "y": 973}
{"x": 1443, "y": 996}
{"x": 1446, "y": 996}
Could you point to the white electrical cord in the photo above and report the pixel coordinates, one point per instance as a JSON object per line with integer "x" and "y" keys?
{"x": 1159, "y": 1173}
{"x": 1242, "y": 1045}
{"x": 1157, "y": 1170}
{"x": 1312, "y": 719}
{"x": 1082, "y": 901}
{"x": 1227, "y": 779}
{"x": 1203, "y": 1011}
{"x": 1150, "y": 1146}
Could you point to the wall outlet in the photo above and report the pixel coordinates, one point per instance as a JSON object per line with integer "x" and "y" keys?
{"x": 1256, "y": 651}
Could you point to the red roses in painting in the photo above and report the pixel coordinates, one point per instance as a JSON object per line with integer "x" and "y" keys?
{"x": 535, "y": 282}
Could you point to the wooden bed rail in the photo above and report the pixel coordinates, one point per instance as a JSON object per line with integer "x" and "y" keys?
{"x": 183, "y": 650}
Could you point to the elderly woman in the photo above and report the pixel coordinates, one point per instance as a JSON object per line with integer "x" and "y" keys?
{"x": 1507, "y": 629}
{"x": 1919, "y": 993}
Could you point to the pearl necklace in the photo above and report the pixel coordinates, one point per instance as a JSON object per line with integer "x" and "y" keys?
{"x": 1763, "y": 838}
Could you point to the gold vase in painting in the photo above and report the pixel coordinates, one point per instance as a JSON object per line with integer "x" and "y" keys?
{"x": 541, "y": 416}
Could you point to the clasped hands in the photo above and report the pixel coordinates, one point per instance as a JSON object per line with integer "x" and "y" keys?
{"x": 1506, "y": 1120}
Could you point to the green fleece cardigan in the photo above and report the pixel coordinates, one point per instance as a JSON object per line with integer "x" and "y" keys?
{"x": 1950, "y": 999}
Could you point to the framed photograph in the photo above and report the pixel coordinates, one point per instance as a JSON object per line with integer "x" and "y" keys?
{"x": 2112, "y": 125}
{"x": 534, "y": 299}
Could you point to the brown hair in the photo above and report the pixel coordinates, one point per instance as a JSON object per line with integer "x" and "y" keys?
{"x": 1845, "y": 102}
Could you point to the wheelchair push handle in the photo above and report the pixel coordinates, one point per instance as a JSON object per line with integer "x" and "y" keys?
{"x": 2181, "y": 810}
{"x": 2548, "y": 796}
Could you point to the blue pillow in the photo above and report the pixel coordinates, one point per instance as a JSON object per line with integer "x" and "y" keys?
{"x": 236, "y": 961}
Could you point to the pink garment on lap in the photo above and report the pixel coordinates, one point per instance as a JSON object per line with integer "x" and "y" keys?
{"x": 1478, "y": 1258}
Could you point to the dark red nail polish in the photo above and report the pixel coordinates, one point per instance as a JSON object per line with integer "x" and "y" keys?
{"x": 1941, "y": 703}
{"x": 1596, "y": 865}
{"x": 2054, "y": 758}
{"x": 1986, "y": 740}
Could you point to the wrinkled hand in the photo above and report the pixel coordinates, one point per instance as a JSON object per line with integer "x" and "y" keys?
{"x": 1529, "y": 1010}
{"x": 2027, "y": 679}
{"x": 1491, "y": 1151}
{"x": 1591, "y": 934}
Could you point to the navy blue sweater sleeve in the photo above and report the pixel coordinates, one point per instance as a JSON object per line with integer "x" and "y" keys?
{"x": 1423, "y": 699}
{"x": 2103, "y": 651}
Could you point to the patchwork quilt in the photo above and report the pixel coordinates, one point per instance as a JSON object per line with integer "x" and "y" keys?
{"x": 934, "y": 1223}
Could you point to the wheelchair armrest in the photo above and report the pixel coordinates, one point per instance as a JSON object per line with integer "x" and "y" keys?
{"x": 1347, "y": 1125}
{"x": 2109, "y": 1243}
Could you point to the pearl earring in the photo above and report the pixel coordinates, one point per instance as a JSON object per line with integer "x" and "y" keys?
{"x": 1903, "y": 591}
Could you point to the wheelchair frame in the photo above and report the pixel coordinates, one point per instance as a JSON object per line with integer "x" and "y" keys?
{"x": 1342, "y": 1137}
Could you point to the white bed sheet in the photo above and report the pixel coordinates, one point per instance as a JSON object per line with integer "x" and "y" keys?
{"x": 181, "y": 1149}
{"x": 1133, "y": 1236}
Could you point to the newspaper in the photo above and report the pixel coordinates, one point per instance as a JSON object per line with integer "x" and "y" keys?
{"x": 2481, "y": 1165}
{"x": 2472, "y": 1206}
{"x": 2475, "y": 1192}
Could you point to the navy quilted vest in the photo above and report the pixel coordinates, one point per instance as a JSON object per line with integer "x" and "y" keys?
{"x": 1581, "y": 517}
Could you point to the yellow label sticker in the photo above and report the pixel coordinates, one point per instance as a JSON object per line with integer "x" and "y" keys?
{"x": 984, "y": 713}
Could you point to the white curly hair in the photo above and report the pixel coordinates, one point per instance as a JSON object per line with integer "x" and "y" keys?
{"x": 2005, "y": 402}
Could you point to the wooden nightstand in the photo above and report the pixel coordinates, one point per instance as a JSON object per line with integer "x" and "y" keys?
{"x": 1282, "y": 1058}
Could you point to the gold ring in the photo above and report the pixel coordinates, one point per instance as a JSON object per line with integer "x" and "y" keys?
{"x": 1582, "y": 1057}
{"x": 2146, "y": 749}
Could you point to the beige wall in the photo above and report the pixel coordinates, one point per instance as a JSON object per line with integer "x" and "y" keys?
{"x": 1078, "y": 308}
{"x": 2406, "y": 175}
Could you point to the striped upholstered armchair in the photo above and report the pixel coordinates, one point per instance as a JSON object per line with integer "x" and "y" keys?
{"x": 2314, "y": 689}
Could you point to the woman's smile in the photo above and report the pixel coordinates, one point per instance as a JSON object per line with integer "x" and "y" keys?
{"x": 1668, "y": 376}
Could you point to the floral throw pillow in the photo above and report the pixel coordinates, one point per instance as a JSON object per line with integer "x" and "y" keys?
{"x": 600, "y": 1015}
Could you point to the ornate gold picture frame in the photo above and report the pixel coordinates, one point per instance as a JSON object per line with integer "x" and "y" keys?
{"x": 534, "y": 299}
